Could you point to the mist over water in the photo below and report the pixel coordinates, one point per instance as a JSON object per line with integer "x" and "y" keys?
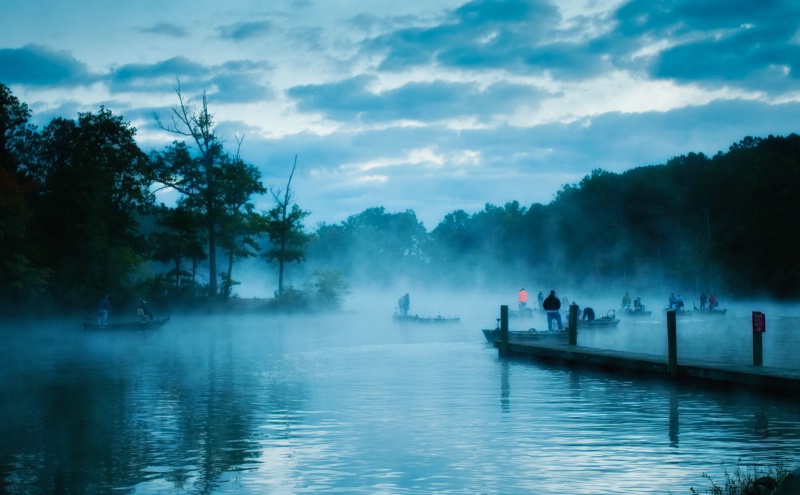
{"x": 357, "y": 403}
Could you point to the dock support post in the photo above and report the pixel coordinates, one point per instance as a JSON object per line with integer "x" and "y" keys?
{"x": 759, "y": 327}
{"x": 672, "y": 344}
{"x": 504, "y": 329}
{"x": 572, "y": 323}
{"x": 758, "y": 349}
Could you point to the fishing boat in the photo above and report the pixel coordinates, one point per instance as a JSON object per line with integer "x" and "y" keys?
{"x": 524, "y": 313}
{"x": 609, "y": 320}
{"x": 532, "y": 335}
{"x": 140, "y": 324}
{"x": 426, "y": 319}
{"x": 679, "y": 312}
{"x": 636, "y": 312}
{"x": 710, "y": 311}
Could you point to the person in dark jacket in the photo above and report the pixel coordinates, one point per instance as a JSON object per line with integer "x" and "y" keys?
{"x": 552, "y": 305}
{"x": 404, "y": 303}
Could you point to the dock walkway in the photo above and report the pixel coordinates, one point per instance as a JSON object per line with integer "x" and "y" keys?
{"x": 767, "y": 378}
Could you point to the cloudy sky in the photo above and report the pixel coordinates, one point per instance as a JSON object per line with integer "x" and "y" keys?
{"x": 434, "y": 105}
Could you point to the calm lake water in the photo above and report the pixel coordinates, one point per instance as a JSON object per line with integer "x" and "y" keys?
{"x": 355, "y": 403}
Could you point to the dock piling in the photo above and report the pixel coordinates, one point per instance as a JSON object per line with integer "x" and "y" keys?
{"x": 572, "y": 323}
{"x": 504, "y": 329}
{"x": 759, "y": 327}
{"x": 672, "y": 343}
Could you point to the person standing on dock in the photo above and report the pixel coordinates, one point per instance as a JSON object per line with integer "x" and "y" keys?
{"x": 522, "y": 300}
{"x": 626, "y": 301}
{"x": 540, "y": 298}
{"x": 552, "y": 305}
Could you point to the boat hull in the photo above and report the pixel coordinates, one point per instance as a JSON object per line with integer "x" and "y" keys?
{"x": 434, "y": 320}
{"x": 129, "y": 325}
{"x": 598, "y": 323}
{"x": 493, "y": 335}
{"x": 637, "y": 313}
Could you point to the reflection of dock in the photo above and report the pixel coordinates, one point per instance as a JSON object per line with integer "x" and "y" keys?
{"x": 747, "y": 375}
{"x": 755, "y": 375}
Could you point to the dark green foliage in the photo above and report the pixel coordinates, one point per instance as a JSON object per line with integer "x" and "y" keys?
{"x": 373, "y": 246}
{"x": 93, "y": 181}
{"x": 214, "y": 184}
{"x": 329, "y": 289}
{"x": 75, "y": 195}
{"x": 728, "y": 223}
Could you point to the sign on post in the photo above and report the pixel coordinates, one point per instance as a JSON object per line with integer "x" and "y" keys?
{"x": 759, "y": 322}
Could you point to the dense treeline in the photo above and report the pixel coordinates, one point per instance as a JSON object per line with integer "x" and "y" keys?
{"x": 730, "y": 223}
{"x": 78, "y": 218}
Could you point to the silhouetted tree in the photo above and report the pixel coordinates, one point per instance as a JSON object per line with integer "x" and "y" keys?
{"x": 284, "y": 226}
{"x": 95, "y": 182}
{"x": 202, "y": 179}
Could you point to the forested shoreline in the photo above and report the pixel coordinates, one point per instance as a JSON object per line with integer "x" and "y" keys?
{"x": 79, "y": 219}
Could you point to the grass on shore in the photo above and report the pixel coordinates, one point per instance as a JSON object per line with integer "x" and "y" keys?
{"x": 748, "y": 479}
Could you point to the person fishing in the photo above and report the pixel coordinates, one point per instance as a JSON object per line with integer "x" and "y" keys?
{"x": 102, "y": 311}
{"x": 552, "y": 305}
{"x": 404, "y": 303}
{"x": 144, "y": 311}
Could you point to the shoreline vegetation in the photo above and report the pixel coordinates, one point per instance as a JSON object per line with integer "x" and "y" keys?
{"x": 776, "y": 478}
{"x": 80, "y": 218}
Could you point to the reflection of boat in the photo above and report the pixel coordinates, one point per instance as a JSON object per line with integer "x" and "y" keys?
{"x": 134, "y": 325}
{"x": 426, "y": 319}
{"x": 532, "y": 335}
{"x": 635, "y": 312}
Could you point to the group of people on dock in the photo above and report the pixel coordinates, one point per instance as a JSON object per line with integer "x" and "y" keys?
{"x": 550, "y": 304}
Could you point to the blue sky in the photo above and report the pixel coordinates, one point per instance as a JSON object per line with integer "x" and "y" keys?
{"x": 432, "y": 106}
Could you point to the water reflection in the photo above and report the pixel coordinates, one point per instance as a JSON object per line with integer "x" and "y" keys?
{"x": 505, "y": 391}
{"x": 320, "y": 405}
{"x": 674, "y": 424}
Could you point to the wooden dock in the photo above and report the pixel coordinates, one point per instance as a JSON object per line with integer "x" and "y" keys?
{"x": 774, "y": 379}
{"x": 780, "y": 380}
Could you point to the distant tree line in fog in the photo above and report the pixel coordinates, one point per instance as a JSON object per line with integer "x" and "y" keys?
{"x": 728, "y": 223}
{"x": 79, "y": 218}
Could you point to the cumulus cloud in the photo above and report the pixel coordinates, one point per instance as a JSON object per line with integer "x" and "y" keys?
{"x": 434, "y": 101}
{"x": 751, "y": 45}
{"x": 40, "y": 65}
{"x": 165, "y": 29}
{"x": 242, "y": 31}
{"x": 234, "y": 81}
{"x": 441, "y": 105}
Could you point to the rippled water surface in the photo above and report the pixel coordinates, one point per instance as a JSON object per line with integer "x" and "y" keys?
{"x": 355, "y": 403}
